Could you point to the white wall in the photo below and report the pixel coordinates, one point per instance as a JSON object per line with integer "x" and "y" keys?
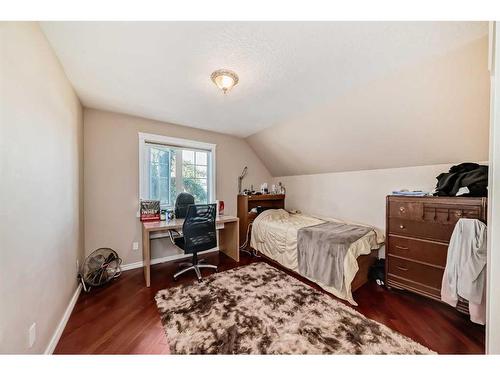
{"x": 493, "y": 272}
{"x": 41, "y": 195}
{"x": 357, "y": 196}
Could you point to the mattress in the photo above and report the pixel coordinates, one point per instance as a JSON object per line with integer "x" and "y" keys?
{"x": 274, "y": 234}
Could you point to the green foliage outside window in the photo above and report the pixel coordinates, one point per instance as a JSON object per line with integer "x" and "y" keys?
{"x": 163, "y": 176}
{"x": 195, "y": 182}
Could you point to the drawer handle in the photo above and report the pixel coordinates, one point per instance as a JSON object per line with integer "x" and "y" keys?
{"x": 401, "y": 226}
{"x": 401, "y": 247}
{"x": 401, "y": 209}
{"x": 402, "y": 268}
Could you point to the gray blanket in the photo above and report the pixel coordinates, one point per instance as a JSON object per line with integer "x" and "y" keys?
{"x": 321, "y": 250}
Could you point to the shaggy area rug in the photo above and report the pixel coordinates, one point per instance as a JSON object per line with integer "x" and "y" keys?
{"x": 257, "y": 309}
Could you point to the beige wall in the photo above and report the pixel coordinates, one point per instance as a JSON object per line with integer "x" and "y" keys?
{"x": 41, "y": 199}
{"x": 435, "y": 112}
{"x": 112, "y": 170}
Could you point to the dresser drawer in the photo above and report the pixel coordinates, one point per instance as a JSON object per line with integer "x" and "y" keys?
{"x": 435, "y": 209}
{"x": 406, "y": 210}
{"x": 419, "y": 250}
{"x": 416, "y": 272}
{"x": 421, "y": 229}
{"x": 418, "y": 231}
{"x": 445, "y": 214}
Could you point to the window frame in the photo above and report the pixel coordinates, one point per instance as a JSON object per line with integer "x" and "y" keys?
{"x": 180, "y": 143}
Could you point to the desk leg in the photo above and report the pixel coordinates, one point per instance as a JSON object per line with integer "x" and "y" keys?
{"x": 229, "y": 240}
{"x": 146, "y": 257}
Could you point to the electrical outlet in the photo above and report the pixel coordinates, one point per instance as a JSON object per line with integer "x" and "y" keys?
{"x": 135, "y": 245}
{"x": 32, "y": 335}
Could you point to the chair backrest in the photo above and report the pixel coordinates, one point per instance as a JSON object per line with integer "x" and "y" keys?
{"x": 199, "y": 228}
{"x": 181, "y": 204}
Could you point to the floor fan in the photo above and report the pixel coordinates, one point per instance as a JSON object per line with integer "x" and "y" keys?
{"x": 100, "y": 267}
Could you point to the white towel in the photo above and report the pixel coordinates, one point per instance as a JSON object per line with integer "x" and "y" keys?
{"x": 465, "y": 272}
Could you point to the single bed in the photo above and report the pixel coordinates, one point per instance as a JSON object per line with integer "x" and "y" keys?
{"x": 274, "y": 234}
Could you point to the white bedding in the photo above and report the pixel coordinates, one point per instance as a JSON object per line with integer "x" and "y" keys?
{"x": 274, "y": 234}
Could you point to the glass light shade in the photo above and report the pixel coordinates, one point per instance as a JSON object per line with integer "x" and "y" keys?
{"x": 224, "y": 79}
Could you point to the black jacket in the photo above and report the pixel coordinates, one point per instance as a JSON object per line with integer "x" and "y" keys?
{"x": 470, "y": 175}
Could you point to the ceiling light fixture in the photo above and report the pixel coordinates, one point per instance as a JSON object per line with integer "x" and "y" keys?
{"x": 224, "y": 79}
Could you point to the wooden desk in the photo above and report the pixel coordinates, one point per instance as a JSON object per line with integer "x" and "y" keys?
{"x": 228, "y": 238}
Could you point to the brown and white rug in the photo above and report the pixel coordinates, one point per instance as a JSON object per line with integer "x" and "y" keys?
{"x": 257, "y": 309}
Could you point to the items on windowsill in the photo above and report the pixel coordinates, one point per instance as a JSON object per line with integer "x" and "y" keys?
{"x": 411, "y": 193}
{"x": 150, "y": 210}
{"x": 163, "y": 215}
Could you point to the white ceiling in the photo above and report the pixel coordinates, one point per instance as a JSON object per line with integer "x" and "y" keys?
{"x": 161, "y": 70}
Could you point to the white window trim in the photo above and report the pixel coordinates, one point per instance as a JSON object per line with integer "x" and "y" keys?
{"x": 176, "y": 142}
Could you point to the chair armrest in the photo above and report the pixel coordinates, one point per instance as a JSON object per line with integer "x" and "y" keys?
{"x": 172, "y": 234}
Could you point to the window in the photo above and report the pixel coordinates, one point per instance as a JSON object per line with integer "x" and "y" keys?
{"x": 169, "y": 166}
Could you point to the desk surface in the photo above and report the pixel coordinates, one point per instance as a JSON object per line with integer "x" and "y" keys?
{"x": 177, "y": 223}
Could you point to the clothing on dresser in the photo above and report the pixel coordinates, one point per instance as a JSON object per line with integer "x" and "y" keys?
{"x": 465, "y": 272}
{"x": 466, "y": 179}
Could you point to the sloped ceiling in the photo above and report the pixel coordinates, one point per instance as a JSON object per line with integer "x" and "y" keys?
{"x": 160, "y": 70}
{"x": 434, "y": 112}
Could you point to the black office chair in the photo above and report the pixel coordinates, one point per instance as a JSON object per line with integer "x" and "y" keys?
{"x": 182, "y": 202}
{"x": 198, "y": 234}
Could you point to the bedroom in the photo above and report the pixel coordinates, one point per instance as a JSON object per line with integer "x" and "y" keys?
{"x": 258, "y": 187}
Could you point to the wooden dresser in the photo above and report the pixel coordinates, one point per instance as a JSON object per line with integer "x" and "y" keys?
{"x": 418, "y": 232}
{"x": 247, "y": 202}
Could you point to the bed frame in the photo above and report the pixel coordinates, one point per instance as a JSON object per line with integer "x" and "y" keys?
{"x": 247, "y": 202}
{"x": 364, "y": 264}
{"x": 361, "y": 278}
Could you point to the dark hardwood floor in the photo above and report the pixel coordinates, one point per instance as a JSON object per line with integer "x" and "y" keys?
{"x": 121, "y": 318}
